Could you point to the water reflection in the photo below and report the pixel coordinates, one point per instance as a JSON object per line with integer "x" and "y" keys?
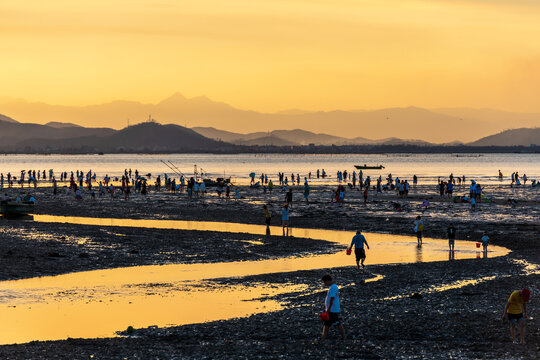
{"x": 419, "y": 253}
{"x": 387, "y": 248}
{"x": 445, "y": 287}
{"x": 83, "y": 310}
{"x": 98, "y": 303}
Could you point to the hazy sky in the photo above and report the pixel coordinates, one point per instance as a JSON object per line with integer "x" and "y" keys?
{"x": 273, "y": 55}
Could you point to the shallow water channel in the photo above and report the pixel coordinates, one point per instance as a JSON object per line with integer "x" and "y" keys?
{"x": 98, "y": 303}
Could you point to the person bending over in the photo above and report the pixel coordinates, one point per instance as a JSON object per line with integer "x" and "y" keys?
{"x": 516, "y": 311}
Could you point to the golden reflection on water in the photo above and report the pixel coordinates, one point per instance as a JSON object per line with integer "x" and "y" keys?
{"x": 458, "y": 284}
{"x": 387, "y": 248}
{"x": 89, "y": 312}
{"x": 98, "y": 303}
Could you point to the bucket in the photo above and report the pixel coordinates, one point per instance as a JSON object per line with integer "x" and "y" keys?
{"x": 324, "y": 316}
{"x": 349, "y": 251}
{"x": 478, "y": 244}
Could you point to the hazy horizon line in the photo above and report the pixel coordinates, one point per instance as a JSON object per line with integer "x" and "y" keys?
{"x": 11, "y": 99}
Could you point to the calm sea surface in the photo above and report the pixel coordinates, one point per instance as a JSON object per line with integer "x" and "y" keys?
{"x": 428, "y": 167}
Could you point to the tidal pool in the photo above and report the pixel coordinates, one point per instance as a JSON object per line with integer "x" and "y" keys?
{"x": 98, "y": 303}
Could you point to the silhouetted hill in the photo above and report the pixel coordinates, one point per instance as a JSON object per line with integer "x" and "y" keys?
{"x": 59, "y": 125}
{"x": 7, "y": 119}
{"x": 145, "y": 137}
{"x": 514, "y": 137}
{"x": 220, "y": 135}
{"x": 12, "y": 132}
{"x": 159, "y": 137}
{"x": 396, "y": 141}
{"x": 266, "y": 140}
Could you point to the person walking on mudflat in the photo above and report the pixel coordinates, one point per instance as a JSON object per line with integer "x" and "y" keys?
{"x": 267, "y": 218}
{"x": 332, "y": 308}
{"x": 516, "y": 311}
{"x": 285, "y": 219}
{"x": 289, "y": 198}
{"x": 418, "y": 228}
{"x": 358, "y": 242}
{"x": 451, "y": 231}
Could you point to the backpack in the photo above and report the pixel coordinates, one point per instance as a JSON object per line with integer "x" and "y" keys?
{"x": 420, "y": 226}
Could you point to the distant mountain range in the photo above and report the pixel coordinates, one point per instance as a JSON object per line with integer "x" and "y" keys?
{"x": 434, "y": 126}
{"x": 296, "y": 137}
{"x": 514, "y": 137}
{"x": 154, "y": 137}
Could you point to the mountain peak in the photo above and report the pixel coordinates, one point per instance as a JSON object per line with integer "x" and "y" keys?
{"x": 174, "y": 98}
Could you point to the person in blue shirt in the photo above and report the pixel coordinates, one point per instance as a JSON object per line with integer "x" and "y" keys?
{"x": 285, "y": 219}
{"x": 451, "y": 231}
{"x": 332, "y": 307}
{"x": 358, "y": 242}
{"x": 450, "y": 189}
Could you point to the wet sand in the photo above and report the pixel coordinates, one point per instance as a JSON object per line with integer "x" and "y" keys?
{"x": 462, "y": 322}
{"x": 30, "y": 249}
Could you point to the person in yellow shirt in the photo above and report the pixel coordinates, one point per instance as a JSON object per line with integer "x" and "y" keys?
{"x": 516, "y": 310}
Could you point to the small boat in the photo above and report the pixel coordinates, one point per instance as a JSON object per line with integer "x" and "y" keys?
{"x": 12, "y": 208}
{"x": 210, "y": 182}
{"x": 367, "y": 167}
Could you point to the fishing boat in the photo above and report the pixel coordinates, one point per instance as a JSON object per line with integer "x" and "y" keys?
{"x": 12, "y": 208}
{"x": 211, "y": 182}
{"x": 369, "y": 167}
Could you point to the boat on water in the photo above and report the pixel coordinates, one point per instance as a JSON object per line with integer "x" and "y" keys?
{"x": 369, "y": 167}
{"x": 12, "y": 208}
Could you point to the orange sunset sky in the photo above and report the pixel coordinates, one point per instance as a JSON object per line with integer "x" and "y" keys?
{"x": 274, "y": 55}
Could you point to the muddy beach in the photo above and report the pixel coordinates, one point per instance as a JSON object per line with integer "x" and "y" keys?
{"x": 460, "y": 322}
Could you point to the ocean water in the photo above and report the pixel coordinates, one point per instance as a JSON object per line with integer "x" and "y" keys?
{"x": 428, "y": 167}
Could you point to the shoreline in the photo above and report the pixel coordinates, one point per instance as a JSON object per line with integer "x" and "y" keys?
{"x": 298, "y": 149}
